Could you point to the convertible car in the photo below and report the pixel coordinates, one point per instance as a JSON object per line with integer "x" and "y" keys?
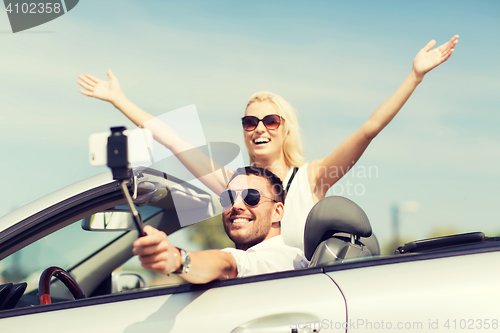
{"x": 58, "y": 271}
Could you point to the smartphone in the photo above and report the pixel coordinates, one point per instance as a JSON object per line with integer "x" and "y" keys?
{"x": 140, "y": 147}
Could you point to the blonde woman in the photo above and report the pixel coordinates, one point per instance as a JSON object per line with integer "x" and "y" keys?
{"x": 271, "y": 133}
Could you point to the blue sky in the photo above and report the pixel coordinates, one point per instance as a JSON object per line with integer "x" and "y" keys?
{"x": 336, "y": 62}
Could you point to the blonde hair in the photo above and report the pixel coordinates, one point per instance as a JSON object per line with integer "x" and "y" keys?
{"x": 292, "y": 146}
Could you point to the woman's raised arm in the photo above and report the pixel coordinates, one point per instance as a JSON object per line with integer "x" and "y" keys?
{"x": 350, "y": 150}
{"x": 199, "y": 164}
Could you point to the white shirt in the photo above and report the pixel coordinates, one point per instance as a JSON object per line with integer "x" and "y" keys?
{"x": 271, "y": 255}
{"x": 298, "y": 203}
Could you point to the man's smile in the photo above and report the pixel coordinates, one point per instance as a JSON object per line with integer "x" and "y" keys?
{"x": 241, "y": 220}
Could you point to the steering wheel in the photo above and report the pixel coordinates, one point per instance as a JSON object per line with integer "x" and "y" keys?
{"x": 69, "y": 282}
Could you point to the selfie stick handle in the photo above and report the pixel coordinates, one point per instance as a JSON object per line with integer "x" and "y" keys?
{"x": 117, "y": 154}
{"x": 135, "y": 213}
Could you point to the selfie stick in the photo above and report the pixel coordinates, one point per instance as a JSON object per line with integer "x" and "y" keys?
{"x": 117, "y": 154}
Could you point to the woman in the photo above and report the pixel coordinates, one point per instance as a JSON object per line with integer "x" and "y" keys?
{"x": 272, "y": 138}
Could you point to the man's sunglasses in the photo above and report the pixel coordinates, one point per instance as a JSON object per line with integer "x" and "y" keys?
{"x": 251, "y": 197}
{"x": 271, "y": 121}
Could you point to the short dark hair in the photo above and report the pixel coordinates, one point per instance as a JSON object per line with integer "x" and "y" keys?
{"x": 276, "y": 183}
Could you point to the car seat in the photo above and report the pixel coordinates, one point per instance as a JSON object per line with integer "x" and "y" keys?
{"x": 337, "y": 229}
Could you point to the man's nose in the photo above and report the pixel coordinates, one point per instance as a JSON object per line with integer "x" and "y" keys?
{"x": 238, "y": 203}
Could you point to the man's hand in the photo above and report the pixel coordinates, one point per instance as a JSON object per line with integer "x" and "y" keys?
{"x": 155, "y": 252}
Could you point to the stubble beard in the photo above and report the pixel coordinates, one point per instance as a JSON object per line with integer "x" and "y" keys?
{"x": 250, "y": 237}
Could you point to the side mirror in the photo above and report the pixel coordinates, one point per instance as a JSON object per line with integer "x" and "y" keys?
{"x": 123, "y": 281}
{"x": 110, "y": 220}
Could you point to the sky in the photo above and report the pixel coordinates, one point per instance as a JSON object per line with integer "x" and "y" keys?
{"x": 334, "y": 61}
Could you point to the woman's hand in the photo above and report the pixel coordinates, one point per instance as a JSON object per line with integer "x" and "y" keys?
{"x": 194, "y": 159}
{"x": 106, "y": 90}
{"x": 427, "y": 59}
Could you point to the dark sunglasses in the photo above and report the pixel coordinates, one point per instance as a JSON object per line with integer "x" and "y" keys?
{"x": 271, "y": 121}
{"x": 251, "y": 197}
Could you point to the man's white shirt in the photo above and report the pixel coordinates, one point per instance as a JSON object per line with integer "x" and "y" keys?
{"x": 271, "y": 255}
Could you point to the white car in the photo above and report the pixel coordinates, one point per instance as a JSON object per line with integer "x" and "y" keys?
{"x": 447, "y": 284}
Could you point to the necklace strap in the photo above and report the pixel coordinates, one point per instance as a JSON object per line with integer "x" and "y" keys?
{"x": 295, "y": 169}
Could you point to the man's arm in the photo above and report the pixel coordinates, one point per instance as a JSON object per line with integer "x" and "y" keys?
{"x": 155, "y": 252}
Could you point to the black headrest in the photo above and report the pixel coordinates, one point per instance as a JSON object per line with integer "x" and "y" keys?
{"x": 331, "y": 215}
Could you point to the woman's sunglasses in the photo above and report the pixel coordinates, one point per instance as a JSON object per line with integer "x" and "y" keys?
{"x": 271, "y": 121}
{"x": 251, "y": 197}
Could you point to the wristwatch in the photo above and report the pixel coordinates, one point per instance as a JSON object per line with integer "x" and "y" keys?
{"x": 185, "y": 262}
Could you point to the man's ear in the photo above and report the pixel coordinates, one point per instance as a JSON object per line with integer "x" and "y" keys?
{"x": 278, "y": 212}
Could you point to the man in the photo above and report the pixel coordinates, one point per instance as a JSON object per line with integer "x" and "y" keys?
{"x": 253, "y": 208}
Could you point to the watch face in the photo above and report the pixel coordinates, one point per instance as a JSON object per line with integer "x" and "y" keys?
{"x": 186, "y": 262}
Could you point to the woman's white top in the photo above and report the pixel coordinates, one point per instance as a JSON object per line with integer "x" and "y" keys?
{"x": 298, "y": 204}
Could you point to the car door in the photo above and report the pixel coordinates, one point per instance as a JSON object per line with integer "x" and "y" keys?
{"x": 306, "y": 300}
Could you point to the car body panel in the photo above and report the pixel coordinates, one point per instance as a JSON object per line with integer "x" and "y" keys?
{"x": 426, "y": 291}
